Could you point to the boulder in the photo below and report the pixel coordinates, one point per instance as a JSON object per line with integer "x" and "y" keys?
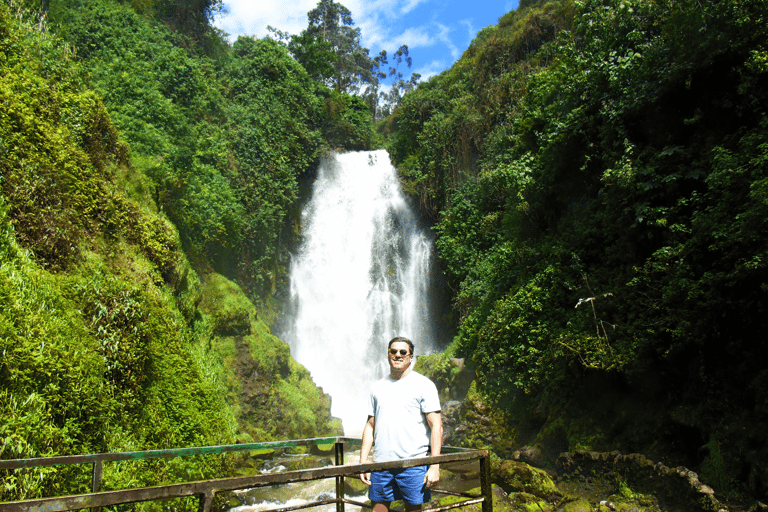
{"x": 532, "y": 455}
{"x": 354, "y": 486}
{"x": 515, "y": 476}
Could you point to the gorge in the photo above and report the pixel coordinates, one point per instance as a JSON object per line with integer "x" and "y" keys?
{"x": 591, "y": 179}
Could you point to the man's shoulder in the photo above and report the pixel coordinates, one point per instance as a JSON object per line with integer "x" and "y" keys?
{"x": 421, "y": 378}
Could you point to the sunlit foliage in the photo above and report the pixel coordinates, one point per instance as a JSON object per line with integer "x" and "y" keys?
{"x": 116, "y": 163}
{"x": 598, "y": 170}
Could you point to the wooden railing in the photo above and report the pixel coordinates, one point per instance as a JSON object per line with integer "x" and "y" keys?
{"x": 206, "y": 490}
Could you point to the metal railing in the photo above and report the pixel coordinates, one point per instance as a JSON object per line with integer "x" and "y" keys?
{"x": 206, "y": 490}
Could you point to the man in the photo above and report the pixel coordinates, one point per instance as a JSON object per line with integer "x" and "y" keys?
{"x": 404, "y": 422}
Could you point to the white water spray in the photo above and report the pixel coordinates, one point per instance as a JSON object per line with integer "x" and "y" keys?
{"x": 360, "y": 278}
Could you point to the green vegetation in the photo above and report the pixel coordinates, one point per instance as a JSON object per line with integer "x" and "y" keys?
{"x": 597, "y": 171}
{"x": 136, "y": 207}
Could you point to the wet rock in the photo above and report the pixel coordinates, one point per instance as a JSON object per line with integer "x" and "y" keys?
{"x": 309, "y": 462}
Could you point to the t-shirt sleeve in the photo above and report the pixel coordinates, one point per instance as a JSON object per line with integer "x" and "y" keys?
{"x": 371, "y": 404}
{"x": 430, "y": 401}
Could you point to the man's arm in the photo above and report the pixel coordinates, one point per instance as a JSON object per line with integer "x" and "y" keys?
{"x": 365, "y": 447}
{"x": 435, "y": 422}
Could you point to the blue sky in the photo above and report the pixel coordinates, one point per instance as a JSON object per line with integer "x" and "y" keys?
{"x": 436, "y": 31}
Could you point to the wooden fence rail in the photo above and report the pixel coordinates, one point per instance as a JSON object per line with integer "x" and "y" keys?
{"x": 206, "y": 490}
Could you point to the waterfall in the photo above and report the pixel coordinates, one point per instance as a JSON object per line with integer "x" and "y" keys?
{"x": 361, "y": 276}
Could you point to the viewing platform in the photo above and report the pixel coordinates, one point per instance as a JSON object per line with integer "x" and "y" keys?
{"x": 206, "y": 490}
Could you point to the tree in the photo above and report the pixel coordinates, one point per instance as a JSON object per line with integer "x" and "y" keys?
{"x": 400, "y": 87}
{"x": 331, "y": 22}
{"x": 191, "y": 17}
{"x": 383, "y": 103}
{"x": 315, "y": 54}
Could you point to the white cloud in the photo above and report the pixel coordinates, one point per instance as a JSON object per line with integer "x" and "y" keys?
{"x": 411, "y": 5}
{"x": 414, "y": 37}
{"x": 245, "y": 17}
{"x": 470, "y": 29}
{"x": 444, "y": 37}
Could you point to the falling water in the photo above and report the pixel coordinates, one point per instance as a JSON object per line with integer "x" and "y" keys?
{"x": 361, "y": 277}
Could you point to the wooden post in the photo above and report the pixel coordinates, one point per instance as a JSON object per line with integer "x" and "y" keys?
{"x": 485, "y": 483}
{"x": 339, "y": 479}
{"x": 98, "y": 468}
{"x": 206, "y": 500}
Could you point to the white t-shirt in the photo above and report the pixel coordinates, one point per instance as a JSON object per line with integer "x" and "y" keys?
{"x": 399, "y": 408}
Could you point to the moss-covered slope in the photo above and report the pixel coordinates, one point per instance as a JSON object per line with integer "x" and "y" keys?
{"x": 109, "y": 339}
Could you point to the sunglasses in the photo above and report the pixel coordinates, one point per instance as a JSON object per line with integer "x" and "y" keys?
{"x": 402, "y": 351}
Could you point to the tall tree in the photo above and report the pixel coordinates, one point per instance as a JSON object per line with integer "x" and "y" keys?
{"x": 389, "y": 101}
{"x": 193, "y": 18}
{"x": 331, "y": 22}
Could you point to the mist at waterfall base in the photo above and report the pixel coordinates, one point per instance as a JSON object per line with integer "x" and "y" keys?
{"x": 364, "y": 273}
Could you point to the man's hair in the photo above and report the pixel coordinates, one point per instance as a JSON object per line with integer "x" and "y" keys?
{"x": 401, "y": 340}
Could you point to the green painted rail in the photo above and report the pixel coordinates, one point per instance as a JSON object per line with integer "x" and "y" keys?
{"x": 206, "y": 490}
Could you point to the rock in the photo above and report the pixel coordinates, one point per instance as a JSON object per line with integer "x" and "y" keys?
{"x": 580, "y": 505}
{"x": 263, "y": 454}
{"x": 501, "y": 501}
{"x": 451, "y": 408}
{"x": 322, "y": 450}
{"x": 515, "y": 476}
{"x": 674, "y": 488}
{"x": 528, "y": 502}
{"x": 457, "y": 362}
{"x": 309, "y": 462}
{"x": 532, "y": 455}
{"x": 354, "y": 486}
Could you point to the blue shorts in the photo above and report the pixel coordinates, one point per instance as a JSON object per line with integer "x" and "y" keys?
{"x": 400, "y": 484}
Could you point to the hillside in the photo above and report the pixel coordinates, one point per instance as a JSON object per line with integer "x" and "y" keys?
{"x": 140, "y": 234}
{"x": 598, "y": 175}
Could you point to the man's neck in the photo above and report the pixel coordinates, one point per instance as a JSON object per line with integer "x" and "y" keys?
{"x": 397, "y": 375}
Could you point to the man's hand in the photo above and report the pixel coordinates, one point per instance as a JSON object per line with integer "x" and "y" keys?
{"x": 432, "y": 476}
{"x": 365, "y": 478}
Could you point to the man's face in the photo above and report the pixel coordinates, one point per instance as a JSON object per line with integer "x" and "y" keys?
{"x": 401, "y": 358}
